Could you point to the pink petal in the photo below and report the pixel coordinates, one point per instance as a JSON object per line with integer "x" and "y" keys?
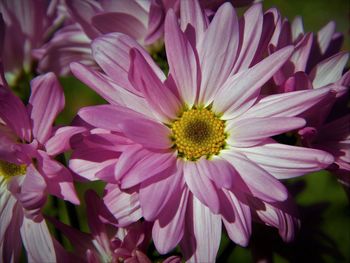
{"x": 142, "y": 165}
{"x": 299, "y": 81}
{"x": 135, "y": 126}
{"x": 251, "y": 131}
{"x": 111, "y": 52}
{"x": 285, "y": 161}
{"x": 217, "y": 52}
{"x": 236, "y": 217}
{"x": 203, "y": 234}
{"x": 251, "y": 24}
{"x": 119, "y": 22}
{"x": 33, "y": 195}
{"x": 301, "y": 53}
{"x": 182, "y": 60}
{"x": 96, "y": 226}
{"x": 109, "y": 90}
{"x": 324, "y": 36}
{"x": 14, "y": 114}
{"x": 281, "y": 216}
{"x": 158, "y": 96}
{"x": 45, "y": 103}
{"x": 37, "y": 241}
{"x": 259, "y": 182}
{"x": 87, "y": 162}
{"x": 329, "y": 71}
{"x": 287, "y": 104}
{"x": 59, "y": 179}
{"x": 297, "y": 28}
{"x": 201, "y": 186}
{"x": 156, "y": 193}
{"x": 69, "y": 44}
{"x": 60, "y": 141}
{"x": 124, "y": 205}
{"x": 7, "y": 206}
{"x": 218, "y": 170}
{"x": 241, "y": 90}
{"x": 166, "y": 237}
{"x": 155, "y": 22}
{"x": 82, "y": 11}
{"x": 10, "y": 244}
{"x": 193, "y": 16}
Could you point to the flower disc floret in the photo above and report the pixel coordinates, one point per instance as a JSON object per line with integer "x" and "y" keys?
{"x": 8, "y": 170}
{"x": 198, "y": 132}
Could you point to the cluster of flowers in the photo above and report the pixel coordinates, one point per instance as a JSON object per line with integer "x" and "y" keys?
{"x": 183, "y": 153}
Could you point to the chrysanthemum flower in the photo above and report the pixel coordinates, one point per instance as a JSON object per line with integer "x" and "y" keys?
{"x": 315, "y": 63}
{"x": 198, "y": 144}
{"x": 28, "y": 171}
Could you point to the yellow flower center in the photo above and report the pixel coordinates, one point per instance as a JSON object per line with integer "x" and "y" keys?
{"x": 198, "y": 132}
{"x": 8, "y": 170}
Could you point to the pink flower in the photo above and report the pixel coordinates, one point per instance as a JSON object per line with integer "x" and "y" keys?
{"x": 28, "y": 171}
{"x": 196, "y": 146}
{"x": 27, "y": 25}
{"x": 315, "y": 63}
{"x": 107, "y": 243}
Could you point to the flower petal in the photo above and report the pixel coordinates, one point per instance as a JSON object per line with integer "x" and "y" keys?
{"x": 58, "y": 178}
{"x": 251, "y": 131}
{"x": 82, "y": 11}
{"x": 218, "y": 170}
{"x": 156, "y": 193}
{"x": 33, "y": 195}
{"x": 329, "y": 71}
{"x": 60, "y": 141}
{"x": 217, "y": 51}
{"x": 124, "y": 205}
{"x": 45, "y": 103}
{"x": 88, "y": 162}
{"x": 285, "y": 161}
{"x": 288, "y": 104}
{"x": 167, "y": 236}
{"x": 14, "y": 114}
{"x": 182, "y": 60}
{"x": 201, "y": 186}
{"x": 37, "y": 241}
{"x": 240, "y": 91}
{"x": 203, "y": 233}
{"x": 134, "y": 125}
{"x": 192, "y": 15}
{"x": 259, "y": 182}
{"x": 111, "y": 52}
{"x": 120, "y": 22}
{"x": 135, "y": 168}
{"x": 236, "y": 217}
{"x": 159, "y": 97}
{"x": 109, "y": 90}
{"x": 251, "y": 24}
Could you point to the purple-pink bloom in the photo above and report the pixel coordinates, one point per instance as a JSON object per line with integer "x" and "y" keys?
{"x": 315, "y": 63}
{"x": 28, "y": 171}
{"x": 192, "y": 150}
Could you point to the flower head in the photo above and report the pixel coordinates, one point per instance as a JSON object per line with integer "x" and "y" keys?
{"x": 197, "y": 144}
{"x": 28, "y": 171}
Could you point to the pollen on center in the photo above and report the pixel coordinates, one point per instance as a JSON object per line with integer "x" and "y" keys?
{"x": 8, "y": 170}
{"x": 198, "y": 132}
